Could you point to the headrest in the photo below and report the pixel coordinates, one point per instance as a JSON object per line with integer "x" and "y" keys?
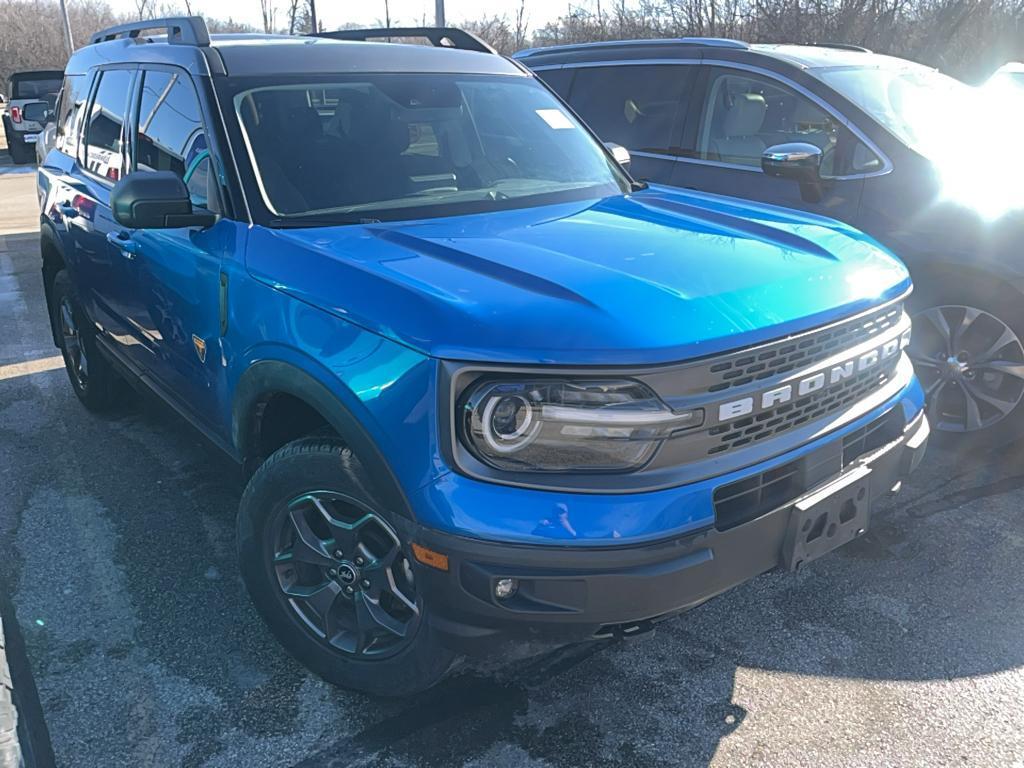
{"x": 745, "y": 115}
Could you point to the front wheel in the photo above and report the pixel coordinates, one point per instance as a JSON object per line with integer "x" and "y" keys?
{"x": 331, "y": 575}
{"x": 968, "y": 354}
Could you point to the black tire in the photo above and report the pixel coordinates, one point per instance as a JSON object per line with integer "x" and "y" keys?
{"x": 19, "y": 151}
{"x": 324, "y": 466}
{"x": 96, "y": 386}
{"x": 998, "y": 306}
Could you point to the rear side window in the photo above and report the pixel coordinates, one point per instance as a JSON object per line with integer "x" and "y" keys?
{"x": 171, "y": 136}
{"x": 72, "y": 107}
{"x": 638, "y": 106}
{"x": 104, "y": 137}
{"x": 558, "y": 80}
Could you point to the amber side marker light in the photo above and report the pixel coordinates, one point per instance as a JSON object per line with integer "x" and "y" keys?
{"x": 430, "y": 557}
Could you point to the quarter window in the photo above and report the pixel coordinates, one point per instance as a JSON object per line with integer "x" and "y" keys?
{"x": 72, "y": 107}
{"x": 104, "y": 143}
{"x": 639, "y": 106}
{"x": 171, "y": 136}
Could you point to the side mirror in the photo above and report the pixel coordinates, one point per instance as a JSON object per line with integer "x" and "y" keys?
{"x": 798, "y": 161}
{"x": 620, "y": 153}
{"x": 155, "y": 200}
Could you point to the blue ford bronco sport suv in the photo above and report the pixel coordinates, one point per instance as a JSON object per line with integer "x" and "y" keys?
{"x": 489, "y": 389}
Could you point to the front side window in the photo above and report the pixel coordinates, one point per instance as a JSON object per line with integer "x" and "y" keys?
{"x": 640, "y": 106}
{"x": 401, "y": 146}
{"x": 928, "y": 111}
{"x": 171, "y": 136}
{"x": 104, "y": 136}
{"x": 744, "y": 114}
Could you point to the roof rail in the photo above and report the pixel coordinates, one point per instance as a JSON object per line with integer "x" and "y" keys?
{"x": 440, "y": 37}
{"x": 844, "y": 47}
{"x": 181, "y": 30}
{"x": 710, "y": 42}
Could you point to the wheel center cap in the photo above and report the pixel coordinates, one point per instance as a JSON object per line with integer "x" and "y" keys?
{"x": 347, "y": 574}
{"x": 956, "y": 368}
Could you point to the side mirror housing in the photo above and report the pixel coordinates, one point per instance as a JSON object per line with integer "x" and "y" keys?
{"x": 798, "y": 161}
{"x": 620, "y": 153}
{"x": 155, "y": 200}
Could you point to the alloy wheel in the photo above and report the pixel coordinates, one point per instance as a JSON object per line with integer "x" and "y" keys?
{"x": 74, "y": 351}
{"x": 971, "y": 365}
{"x": 342, "y": 571}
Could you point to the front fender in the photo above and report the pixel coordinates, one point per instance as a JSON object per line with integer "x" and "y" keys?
{"x": 363, "y": 423}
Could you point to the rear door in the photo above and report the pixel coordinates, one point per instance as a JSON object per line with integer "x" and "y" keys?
{"x": 640, "y": 105}
{"x": 740, "y": 113}
{"x": 103, "y": 274}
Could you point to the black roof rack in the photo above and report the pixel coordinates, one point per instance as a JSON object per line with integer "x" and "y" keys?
{"x": 844, "y": 47}
{"x": 181, "y": 30}
{"x": 440, "y": 37}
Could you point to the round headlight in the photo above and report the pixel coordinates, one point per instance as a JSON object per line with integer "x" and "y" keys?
{"x": 558, "y": 425}
{"x": 509, "y": 423}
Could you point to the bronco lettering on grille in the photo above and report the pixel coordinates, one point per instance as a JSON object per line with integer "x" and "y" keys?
{"x": 812, "y": 383}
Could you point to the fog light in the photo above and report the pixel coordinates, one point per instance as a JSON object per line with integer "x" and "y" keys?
{"x": 505, "y": 588}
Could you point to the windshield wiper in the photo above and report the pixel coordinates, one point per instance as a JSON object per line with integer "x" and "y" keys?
{"x": 300, "y": 221}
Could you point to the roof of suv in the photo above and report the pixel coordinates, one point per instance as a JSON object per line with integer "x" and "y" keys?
{"x": 803, "y": 56}
{"x": 256, "y": 54}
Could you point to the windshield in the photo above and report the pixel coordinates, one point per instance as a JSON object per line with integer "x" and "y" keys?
{"x": 921, "y": 106}
{"x": 402, "y": 146}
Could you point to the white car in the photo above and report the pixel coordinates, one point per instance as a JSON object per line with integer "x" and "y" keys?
{"x": 32, "y": 96}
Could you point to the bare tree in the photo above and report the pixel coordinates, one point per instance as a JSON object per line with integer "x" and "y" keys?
{"x": 268, "y": 12}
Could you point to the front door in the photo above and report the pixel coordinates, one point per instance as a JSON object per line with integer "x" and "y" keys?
{"x": 742, "y": 114}
{"x": 176, "y": 312}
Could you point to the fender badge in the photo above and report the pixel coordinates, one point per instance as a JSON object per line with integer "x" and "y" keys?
{"x": 200, "y": 346}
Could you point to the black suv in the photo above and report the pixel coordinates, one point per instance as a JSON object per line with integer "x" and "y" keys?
{"x": 873, "y": 140}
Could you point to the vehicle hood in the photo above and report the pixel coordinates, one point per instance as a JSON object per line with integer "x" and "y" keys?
{"x": 652, "y": 277}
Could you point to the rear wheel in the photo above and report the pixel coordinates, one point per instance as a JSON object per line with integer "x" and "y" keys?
{"x": 330, "y": 573}
{"x": 968, "y": 353}
{"x": 20, "y": 151}
{"x": 91, "y": 374}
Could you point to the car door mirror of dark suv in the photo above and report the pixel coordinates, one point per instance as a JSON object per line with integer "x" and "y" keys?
{"x": 156, "y": 200}
{"x": 798, "y": 161}
{"x": 620, "y": 153}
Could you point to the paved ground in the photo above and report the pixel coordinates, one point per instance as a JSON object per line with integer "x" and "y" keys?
{"x": 116, "y": 546}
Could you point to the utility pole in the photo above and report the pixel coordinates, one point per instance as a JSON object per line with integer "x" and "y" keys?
{"x": 312, "y": 16}
{"x": 438, "y": 13}
{"x": 69, "y": 43}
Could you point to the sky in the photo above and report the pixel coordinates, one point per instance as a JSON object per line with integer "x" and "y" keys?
{"x": 334, "y": 13}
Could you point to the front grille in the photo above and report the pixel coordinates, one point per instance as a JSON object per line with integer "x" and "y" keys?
{"x": 747, "y": 499}
{"x": 817, "y": 405}
{"x": 788, "y": 355}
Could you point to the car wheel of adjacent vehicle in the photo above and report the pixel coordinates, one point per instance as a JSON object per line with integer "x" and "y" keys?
{"x": 91, "y": 375}
{"x": 968, "y": 353}
{"x": 19, "y": 151}
{"x": 331, "y": 575}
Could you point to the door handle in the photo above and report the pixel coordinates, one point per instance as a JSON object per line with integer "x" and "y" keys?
{"x": 68, "y": 210}
{"x": 124, "y": 243}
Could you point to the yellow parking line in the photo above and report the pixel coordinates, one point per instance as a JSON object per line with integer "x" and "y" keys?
{"x": 14, "y": 370}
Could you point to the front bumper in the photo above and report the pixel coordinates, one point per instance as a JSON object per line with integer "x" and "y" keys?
{"x": 569, "y": 594}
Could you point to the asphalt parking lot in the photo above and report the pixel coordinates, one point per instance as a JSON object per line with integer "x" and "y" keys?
{"x": 117, "y": 549}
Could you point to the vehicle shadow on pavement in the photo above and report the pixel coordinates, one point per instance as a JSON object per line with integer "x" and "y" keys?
{"x": 146, "y": 650}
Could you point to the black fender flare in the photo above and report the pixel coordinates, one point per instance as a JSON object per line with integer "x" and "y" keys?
{"x": 49, "y": 237}
{"x": 275, "y": 377}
